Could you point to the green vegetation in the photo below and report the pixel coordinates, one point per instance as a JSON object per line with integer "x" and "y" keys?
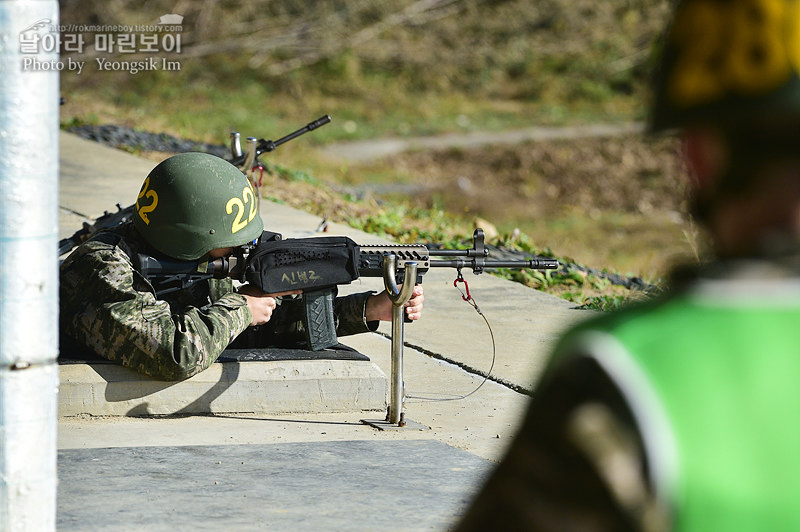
{"x": 389, "y": 68}
{"x": 409, "y": 68}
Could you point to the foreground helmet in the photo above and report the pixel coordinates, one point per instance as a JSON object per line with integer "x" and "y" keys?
{"x": 729, "y": 62}
{"x": 193, "y": 203}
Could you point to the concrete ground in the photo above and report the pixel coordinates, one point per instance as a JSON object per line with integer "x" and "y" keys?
{"x": 281, "y": 445}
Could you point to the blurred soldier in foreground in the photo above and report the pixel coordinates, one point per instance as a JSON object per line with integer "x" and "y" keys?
{"x": 682, "y": 414}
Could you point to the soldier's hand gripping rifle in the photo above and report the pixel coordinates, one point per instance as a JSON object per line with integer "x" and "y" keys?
{"x": 317, "y": 265}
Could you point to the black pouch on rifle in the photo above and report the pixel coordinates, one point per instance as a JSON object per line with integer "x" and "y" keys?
{"x": 314, "y": 265}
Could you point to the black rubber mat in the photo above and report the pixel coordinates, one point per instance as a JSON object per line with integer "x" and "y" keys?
{"x": 70, "y": 353}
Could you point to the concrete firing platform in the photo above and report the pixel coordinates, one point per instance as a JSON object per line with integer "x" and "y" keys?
{"x": 278, "y": 387}
{"x": 258, "y": 380}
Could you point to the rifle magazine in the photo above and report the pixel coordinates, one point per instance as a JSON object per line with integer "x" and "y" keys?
{"x": 320, "y": 323}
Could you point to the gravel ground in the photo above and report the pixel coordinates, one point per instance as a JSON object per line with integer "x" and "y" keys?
{"x": 126, "y": 138}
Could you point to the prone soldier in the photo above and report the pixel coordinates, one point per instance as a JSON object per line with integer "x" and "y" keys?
{"x": 190, "y": 207}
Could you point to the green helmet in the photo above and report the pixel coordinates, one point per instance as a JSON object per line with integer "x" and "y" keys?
{"x": 732, "y": 63}
{"x": 192, "y": 203}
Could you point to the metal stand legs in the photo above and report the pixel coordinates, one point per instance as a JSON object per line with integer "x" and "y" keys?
{"x": 395, "y": 417}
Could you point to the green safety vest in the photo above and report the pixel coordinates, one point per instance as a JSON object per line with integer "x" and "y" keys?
{"x": 712, "y": 376}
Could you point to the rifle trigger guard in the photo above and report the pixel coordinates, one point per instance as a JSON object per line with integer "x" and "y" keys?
{"x": 460, "y": 279}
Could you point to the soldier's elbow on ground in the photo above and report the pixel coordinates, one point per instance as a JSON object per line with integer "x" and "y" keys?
{"x": 170, "y": 371}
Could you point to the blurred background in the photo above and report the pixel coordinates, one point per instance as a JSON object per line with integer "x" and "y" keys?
{"x": 581, "y": 181}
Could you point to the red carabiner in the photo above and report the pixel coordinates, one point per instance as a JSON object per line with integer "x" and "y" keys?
{"x": 460, "y": 279}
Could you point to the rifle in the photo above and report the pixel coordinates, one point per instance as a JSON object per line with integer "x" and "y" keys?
{"x": 317, "y": 265}
{"x": 106, "y": 221}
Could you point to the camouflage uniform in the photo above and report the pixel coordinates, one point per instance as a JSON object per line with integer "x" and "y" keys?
{"x": 109, "y": 307}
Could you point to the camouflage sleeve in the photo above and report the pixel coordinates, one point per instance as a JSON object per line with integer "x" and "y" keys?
{"x": 218, "y": 288}
{"x": 108, "y": 306}
{"x": 350, "y": 313}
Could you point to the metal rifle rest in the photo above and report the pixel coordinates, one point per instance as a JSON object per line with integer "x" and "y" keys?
{"x": 395, "y": 417}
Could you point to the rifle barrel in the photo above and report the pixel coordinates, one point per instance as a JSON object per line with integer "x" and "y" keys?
{"x": 321, "y": 121}
{"x": 535, "y": 264}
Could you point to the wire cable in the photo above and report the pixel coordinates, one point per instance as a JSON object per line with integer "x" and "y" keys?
{"x": 469, "y": 299}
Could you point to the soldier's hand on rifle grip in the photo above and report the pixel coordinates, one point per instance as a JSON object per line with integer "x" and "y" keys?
{"x": 261, "y": 304}
{"x": 412, "y": 311}
{"x": 379, "y": 306}
{"x": 414, "y": 305}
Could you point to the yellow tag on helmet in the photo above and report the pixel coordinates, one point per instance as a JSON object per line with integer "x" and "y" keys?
{"x": 743, "y": 47}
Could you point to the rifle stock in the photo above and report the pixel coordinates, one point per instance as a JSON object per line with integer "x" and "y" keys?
{"x": 106, "y": 221}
